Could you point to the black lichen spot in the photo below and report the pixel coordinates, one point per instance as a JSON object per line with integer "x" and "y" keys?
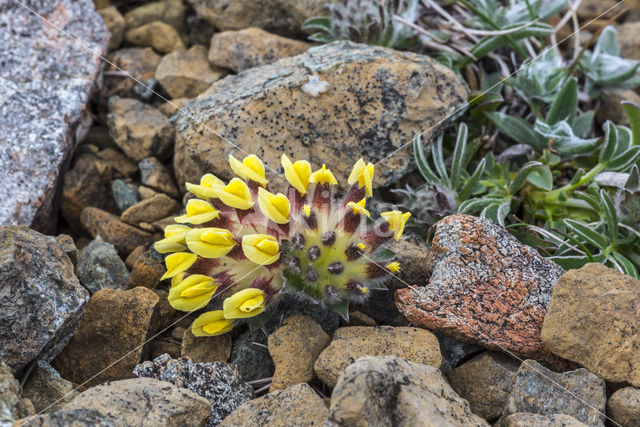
{"x": 336, "y": 268}
{"x": 329, "y": 238}
{"x": 314, "y": 253}
{"x": 298, "y": 241}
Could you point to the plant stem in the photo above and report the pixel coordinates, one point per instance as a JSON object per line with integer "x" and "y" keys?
{"x": 552, "y": 196}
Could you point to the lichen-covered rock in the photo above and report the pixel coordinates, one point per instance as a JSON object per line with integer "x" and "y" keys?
{"x": 186, "y": 73}
{"x": 333, "y": 104}
{"x": 125, "y": 194}
{"x": 155, "y": 175}
{"x": 171, "y": 12}
{"x": 46, "y": 389}
{"x": 250, "y": 355}
{"x": 624, "y": 407}
{"x": 205, "y": 349}
{"x": 485, "y": 382}
{"x": 139, "y": 129}
{"x": 297, "y": 405}
{"x": 12, "y": 404}
{"x": 593, "y": 320}
{"x": 143, "y": 402}
{"x": 139, "y": 62}
{"x": 252, "y": 47}
{"x": 218, "y": 382}
{"x": 351, "y": 343}
{"x": 100, "y": 267}
{"x": 114, "y": 328}
{"x": 123, "y": 236}
{"x": 538, "y": 390}
{"x": 486, "y": 287}
{"x": 116, "y": 25}
{"x": 163, "y": 38}
{"x": 45, "y": 84}
{"x": 385, "y": 391}
{"x": 71, "y": 417}
{"x": 278, "y": 16}
{"x": 41, "y": 300}
{"x": 294, "y": 348}
{"x": 523, "y": 419}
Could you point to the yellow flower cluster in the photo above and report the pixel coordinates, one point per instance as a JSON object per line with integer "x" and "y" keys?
{"x": 190, "y": 292}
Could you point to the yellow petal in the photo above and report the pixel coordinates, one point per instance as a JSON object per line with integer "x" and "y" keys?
{"x": 173, "y": 240}
{"x": 363, "y": 175}
{"x": 276, "y": 207}
{"x": 297, "y": 174}
{"x": 307, "y": 210}
{"x": 393, "y": 267}
{"x": 245, "y": 303}
{"x": 236, "y": 194}
{"x": 396, "y": 220}
{"x": 207, "y": 187}
{"x": 251, "y": 168}
{"x": 361, "y": 246}
{"x": 210, "y": 242}
{"x": 358, "y": 208}
{"x": 178, "y": 263}
{"x": 262, "y": 249}
{"x": 211, "y": 323}
{"x": 198, "y": 212}
{"x": 323, "y": 176}
{"x": 192, "y": 293}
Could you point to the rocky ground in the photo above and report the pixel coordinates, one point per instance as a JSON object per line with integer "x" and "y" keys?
{"x": 489, "y": 332}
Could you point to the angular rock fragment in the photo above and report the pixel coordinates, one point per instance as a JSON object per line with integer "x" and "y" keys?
{"x": 100, "y": 267}
{"x": 46, "y": 389}
{"x": 108, "y": 226}
{"x": 162, "y": 37}
{"x": 624, "y": 407}
{"x": 186, "y": 73}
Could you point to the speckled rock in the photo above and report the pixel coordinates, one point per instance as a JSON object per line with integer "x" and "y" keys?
{"x": 629, "y": 43}
{"x": 85, "y": 184}
{"x": 139, "y": 62}
{"x": 144, "y": 402}
{"x": 116, "y": 25}
{"x": 156, "y": 175}
{"x": 139, "y": 129}
{"x": 486, "y": 287}
{"x": 485, "y": 382}
{"x": 125, "y": 194}
{"x": 348, "y": 344}
{"x": 252, "y": 47}
{"x": 538, "y": 390}
{"x": 171, "y": 12}
{"x": 72, "y": 417}
{"x": 251, "y": 355}
{"x": 294, "y": 348}
{"x": 332, "y": 104}
{"x": 146, "y": 272}
{"x": 205, "y": 349}
{"x": 278, "y": 16}
{"x": 100, "y": 267}
{"x": 68, "y": 246}
{"x": 186, "y": 73}
{"x": 593, "y": 320}
{"x": 118, "y": 162}
{"x": 297, "y": 405}
{"x": 41, "y": 300}
{"x": 172, "y": 106}
{"x": 150, "y": 210}
{"x": 523, "y": 419}
{"x": 163, "y": 38}
{"x": 45, "y": 84}
{"x": 108, "y": 226}
{"x": 12, "y": 404}
{"x": 385, "y": 391}
{"x": 624, "y": 407}
{"x": 217, "y": 382}
{"x": 46, "y": 389}
{"x": 115, "y": 323}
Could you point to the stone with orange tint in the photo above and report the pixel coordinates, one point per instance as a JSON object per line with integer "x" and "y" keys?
{"x": 486, "y": 288}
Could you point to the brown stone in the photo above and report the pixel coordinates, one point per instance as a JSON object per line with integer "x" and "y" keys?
{"x": 86, "y": 184}
{"x": 523, "y": 419}
{"x": 611, "y": 108}
{"x": 146, "y": 192}
{"x": 133, "y": 256}
{"x": 46, "y": 389}
{"x": 187, "y": 73}
{"x": 624, "y": 407}
{"x": 155, "y": 175}
{"x": 109, "y": 341}
{"x": 149, "y": 210}
{"x": 297, "y": 406}
{"x": 591, "y": 9}
{"x": 412, "y": 255}
{"x": 485, "y": 382}
{"x": 252, "y": 47}
{"x": 168, "y": 11}
{"x": 115, "y": 23}
{"x": 593, "y": 320}
{"x": 68, "y": 246}
{"x": 294, "y": 348}
{"x": 118, "y": 161}
{"x": 146, "y": 272}
{"x": 629, "y": 42}
{"x": 205, "y": 349}
{"x": 357, "y": 318}
{"x": 350, "y": 343}
{"x": 13, "y": 405}
{"x": 138, "y": 62}
{"x": 139, "y": 129}
{"x": 163, "y": 38}
{"x": 172, "y": 106}
{"x": 332, "y": 104}
{"x": 121, "y": 235}
{"x": 164, "y": 346}
{"x": 486, "y": 287}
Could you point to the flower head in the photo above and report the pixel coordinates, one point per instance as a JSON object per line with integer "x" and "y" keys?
{"x": 207, "y": 187}
{"x": 396, "y": 220}
{"x": 358, "y": 208}
{"x": 174, "y": 239}
{"x": 251, "y": 168}
{"x": 297, "y": 174}
{"x": 198, "y": 212}
{"x": 276, "y": 207}
{"x": 236, "y": 194}
{"x": 323, "y": 176}
{"x": 362, "y": 174}
{"x": 192, "y": 293}
{"x": 246, "y": 303}
{"x": 210, "y": 242}
{"x": 211, "y": 323}
{"x": 177, "y": 263}
{"x": 262, "y": 249}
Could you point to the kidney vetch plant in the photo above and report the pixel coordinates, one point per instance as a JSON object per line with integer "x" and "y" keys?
{"x": 239, "y": 246}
